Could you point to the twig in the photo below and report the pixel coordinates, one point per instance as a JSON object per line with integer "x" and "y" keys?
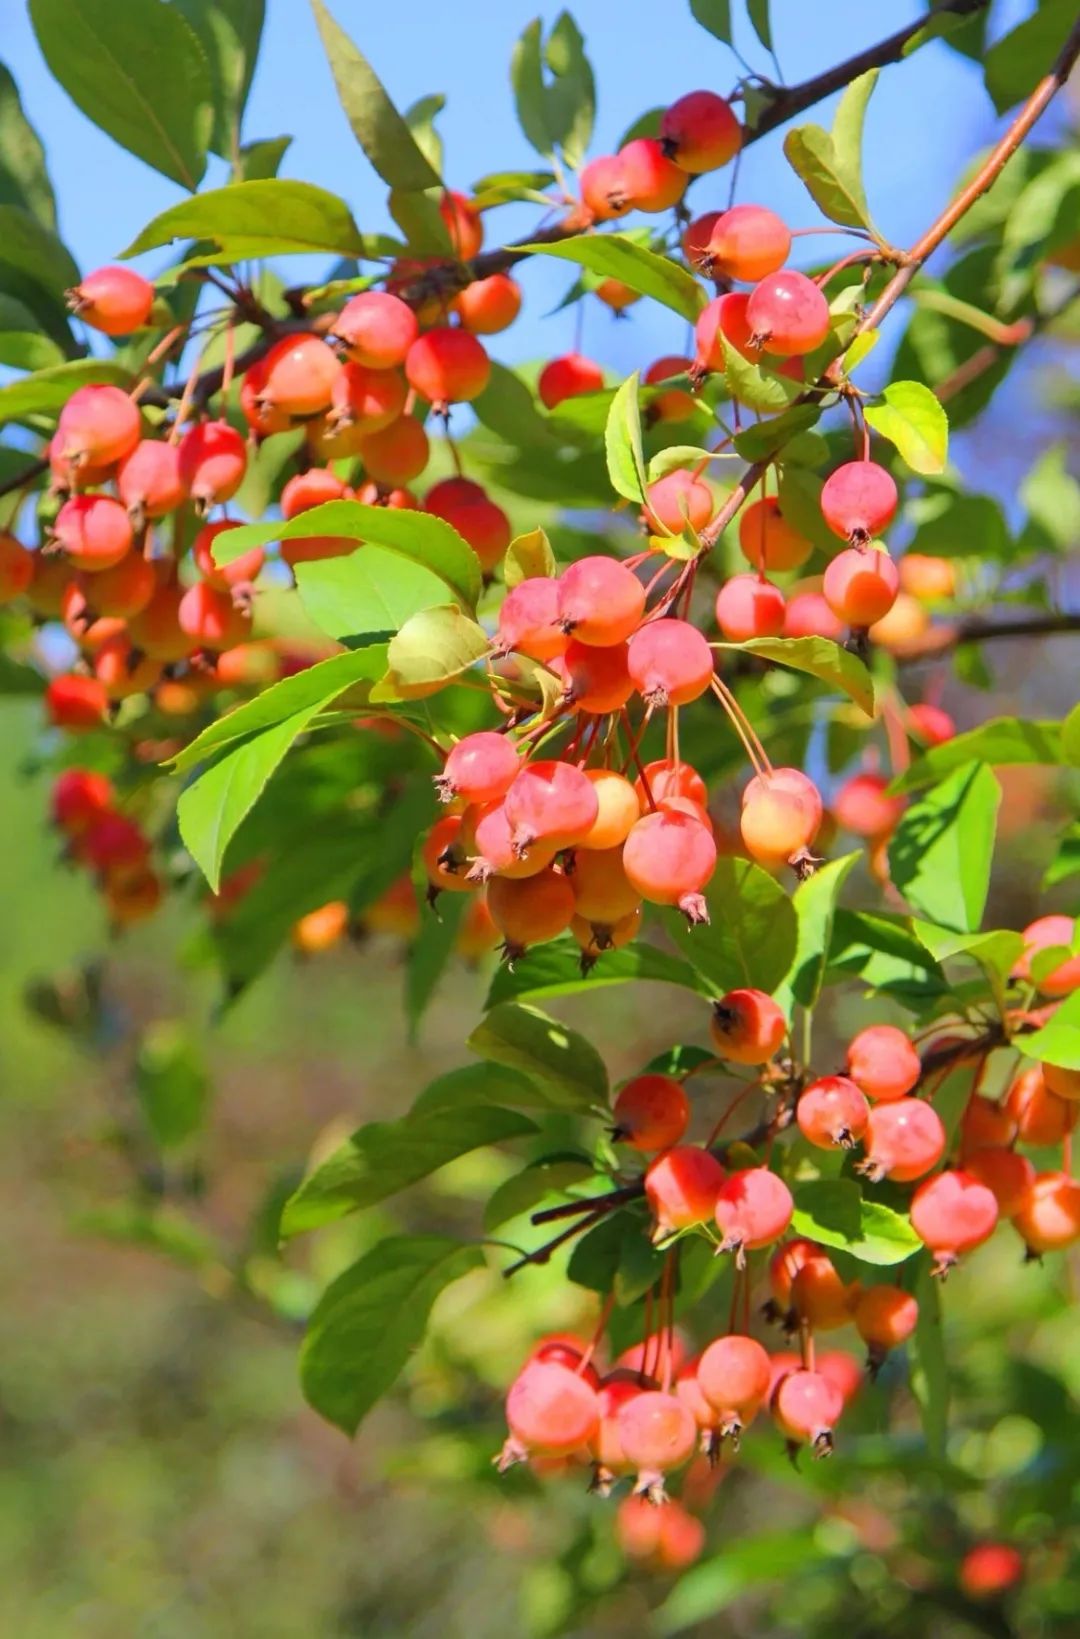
{"x": 941, "y": 640}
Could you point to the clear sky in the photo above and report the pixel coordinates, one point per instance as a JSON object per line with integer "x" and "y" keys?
{"x": 927, "y": 116}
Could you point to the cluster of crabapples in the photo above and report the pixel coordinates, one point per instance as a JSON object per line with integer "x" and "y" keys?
{"x": 646, "y": 1414}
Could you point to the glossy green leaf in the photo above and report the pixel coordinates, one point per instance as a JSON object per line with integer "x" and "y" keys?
{"x": 432, "y": 647}
{"x": 885, "y": 954}
{"x": 818, "y": 656}
{"x": 30, "y": 248}
{"x": 375, "y": 122}
{"x": 834, "y": 1212}
{"x": 955, "y": 524}
{"x": 767, "y": 437}
{"x": 24, "y": 178}
{"x": 279, "y": 217}
{"x": 523, "y": 1038}
{"x": 941, "y": 851}
{"x": 171, "y": 1082}
{"x": 622, "y": 442}
{"x": 799, "y": 493}
{"x": 260, "y": 161}
{"x": 914, "y": 420}
{"x": 1058, "y": 1042}
{"x": 372, "y": 1319}
{"x": 493, "y": 1083}
{"x": 1066, "y": 862}
{"x": 509, "y": 408}
{"x": 831, "y": 165}
{"x": 527, "y": 79}
{"x": 617, "y": 256}
{"x": 47, "y": 391}
{"x": 229, "y": 32}
{"x": 418, "y": 536}
{"x": 554, "y": 969}
{"x": 1016, "y": 63}
{"x": 996, "y": 952}
{"x": 756, "y": 385}
{"x": 751, "y": 935}
{"x": 815, "y": 903}
{"x": 385, "y": 1157}
{"x": 370, "y": 592}
{"x": 529, "y": 557}
{"x": 139, "y": 72}
{"x": 29, "y": 349}
{"x": 570, "y": 95}
{"x": 1001, "y": 741}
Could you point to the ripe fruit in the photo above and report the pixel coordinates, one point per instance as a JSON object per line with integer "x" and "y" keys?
{"x": 488, "y": 842}
{"x": 311, "y": 489}
{"x": 862, "y": 805}
{"x": 1041, "y": 1117}
{"x": 603, "y": 189}
{"x": 663, "y": 779}
{"x": 882, "y": 1062}
{"x": 320, "y": 929}
{"x": 734, "y": 1374}
{"x": 618, "y": 808}
{"x": 488, "y": 306}
{"x": 722, "y": 319}
{"x": 699, "y": 132}
{"x": 657, "y": 1433}
{"x": 614, "y": 294}
{"x": 1043, "y": 934}
{"x": 749, "y": 606}
{"x": 926, "y": 577}
{"x": 860, "y": 587}
{"x": 781, "y": 813}
{"x": 376, "y": 329}
{"x": 601, "y": 601}
{"x": 97, "y": 427}
{"x": 1048, "y": 1217}
{"x": 904, "y": 1140}
{"x": 550, "y": 801}
{"x": 832, "y": 1113}
{"x": 986, "y": 1123}
{"x": 677, "y": 502}
{"x": 211, "y": 618}
{"x": 603, "y": 892}
{"x": 787, "y": 314}
{"x": 651, "y": 1113}
{"x": 531, "y": 910}
{"x": 650, "y": 180}
{"x": 480, "y": 768}
{"x": 213, "y": 461}
{"x": 528, "y": 620}
{"x": 753, "y": 1209}
{"x": 669, "y": 1537}
{"x": 568, "y": 377}
{"x": 597, "y": 680}
{"x": 675, "y": 404}
{"x": 1064, "y": 1083}
{"x": 806, "y": 1407}
{"x": 94, "y": 531}
{"x": 616, "y": 1390}
{"x": 901, "y": 630}
{"x": 463, "y": 224}
{"x": 79, "y": 798}
{"x": 156, "y": 628}
{"x": 696, "y": 236}
{"x": 858, "y": 501}
{"x": 445, "y": 858}
{"x": 395, "y": 454}
{"x": 670, "y": 662}
{"x": 990, "y": 1569}
{"x": 119, "y": 592}
{"x": 930, "y": 724}
{"x": 808, "y": 615}
{"x": 447, "y": 367}
{"x": 1008, "y": 1175}
{"x": 669, "y": 857}
{"x": 550, "y": 1410}
{"x": 885, "y": 1317}
{"x": 16, "y": 568}
{"x": 150, "y": 483}
{"x": 114, "y": 845}
{"x": 768, "y": 541}
{"x": 951, "y": 1213}
{"x": 746, "y": 243}
{"x": 239, "y": 571}
{"x": 681, "y": 1187}
{"x": 748, "y": 1027}
{"x": 114, "y": 300}
{"x": 364, "y": 401}
{"x": 468, "y": 508}
{"x": 298, "y": 377}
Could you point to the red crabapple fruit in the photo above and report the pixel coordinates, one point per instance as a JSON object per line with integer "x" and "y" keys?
{"x": 488, "y": 306}
{"x": 721, "y": 320}
{"x": 550, "y": 1410}
{"x": 601, "y": 601}
{"x": 662, "y": 779}
{"x": 753, "y": 1209}
{"x": 299, "y": 373}
{"x": 832, "y": 1113}
{"x": 149, "y": 482}
{"x": 530, "y": 910}
{"x": 568, "y": 377}
{"x": 670, "y": 662}
{"x": 213, "y": 462}
{"x": 952, "y": 1213}
{"x": 749, "y": 606}
{"x": 603, "y": 188}
{"x": 447, "y": 366}
{"x": 734, "y": 1375}
{"x": 618, "y": 808}
{"x": 768, "y": 541}
{"x": 79, "y": 798}
{"x": 603, "y": 893}
{"x": 990, "y": 1569}
{"x": 678, "y": 502}
{"x": 681, "y": 1187}
{"x": 1040, "y": 1116}
{"x": 529, "y": 620}
{"x": 808, "y": 615}
{"x": 885, "y": 1317}
{"x": 98, "y": 426}
{"x": 16, "y": 568}
{"x": 480, "y": 768}
{"x": 657, "y": 1434}
{"x": 114, "y": 300}
{"x": 650, "y": 180}
{"x": 596, "y": 680}
{"x": 651, "y": 1113}
{"x": 477, "y": 518}
{"x": 904, "y": 1139}
{"x": 376, "y": 329}
{"x": 748, "y": 1027}
{"x": 858, "y": 501}
{"x": 747, "y": 242}
{"x": 1045, "y": 933}
{"x": 1005, "y": 1172}
{"x": 860, "y": 586}
{"x": 864, "y": 807}
{"x": 550, "y": 801}
{"x": 781, "y": 814}
{"x": 806, "y": 1407}
{"x": 1048, "y": 1217}
{"x": 882, "y": 1062}
{"x": 699, "y": 132}
{"x": 930, "y": 724}
{"x": 787, "y": 314}
{"x": 669, "y": 857}
{"x": 93, "y": 531}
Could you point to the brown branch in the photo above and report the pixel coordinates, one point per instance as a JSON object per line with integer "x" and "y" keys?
{"x": 941, "y": 640}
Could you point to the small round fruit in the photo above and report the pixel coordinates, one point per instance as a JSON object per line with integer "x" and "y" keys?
{"x": 568, "y": 377}
{"x": 832, "y": 1113}
{"x": 787, "y": 314}
{"x": 700, "y": 132}
{"x": 753, "y": 1209}
{"x": 678, "y": 502}
{"x": 651, "y": 1113}
{"x": 952, "y": 1213}
{"x": 768, "y": 541}
{"x": 882, "y": 1062}
{"x": 447, "y": 366}
{"x": 860, "y": 586}
{"x": 1048, "y": 1217}
{"x": 669, "y": 662}
{"x": 601, "y": 601}
{"x": 806, "y": 1407}
{"x": 490, "y": 305}
{"x": 747, "y": 242}
{"x": 669, "y": 857}
{"x": 859, "y": 501}
{"x": 376, "y": 329}
{"x": 114, "y": 300}
{"x": 747, "y": 1027}
{"x": 863, "y": 806}
{"x": 481, "y": 768}
{"x": 749, "y": 606}
{"x": 681, "y": 1187}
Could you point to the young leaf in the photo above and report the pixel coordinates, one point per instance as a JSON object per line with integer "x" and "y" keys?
{"x": 1058, "y": 1042}
{"x": 755, "y": 385}
{"x": 1003, "y": 740}
{"x": 372, "y": 1318}
{"x": 555, "y": 970}
{"x": 1014, "y": 64}
{"x": 815, "y": 908}
{"x": 171, "y": 1082}
{"x": 420, "y": 118}
{"x": 385, "y": 1157}
{"x": 622, "y": 442}
{"x": 432, "y": 647}
{"x": 834, "y": 1212}
{"x": 229, "y": 32}
{"x": 376, "y": 123}
{"x": 996, "y": 952}
{"x": 523, "y": 1038}
{"x": 941, "y": 851}
{"x": 138, "y": 72}
{"x": 913, "y": 419}
{"x": 278, "y": 217}
{"x": 529, "y": 557}
{"x": 617, "y": 256}
{"x": 751, "y": 936}
{"x": 819, "y": 656}
{"x": 260, "y": 161}
{"x": 369, "y": 593}
{"x": 831, "y": 166}
{"x": 24, "y": 179}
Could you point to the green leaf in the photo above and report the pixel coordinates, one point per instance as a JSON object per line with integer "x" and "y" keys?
{"x": 617, "y": 256}
{"x": 260, "y": 161}
{"x": 420, "y": 118}
{"x": 211, "y": 808}
{"x": 885, "y": 954}
{"x": 941, "y": 851}
{"x": 139, "y": 72}
{"x": 751, "y": 936}
{"x": 370, "y": 592}
{"x": 529, "y": 557}
{"x": 171, "y": 1082}
{"x": 912, "y": 419}
{"x": 509, "y": 408}
{"x": 1066, "y": 862}
{"x": 745, "y": 1563}
{"x": 954, "y": 524}
{"x": 47, "y": 391}
{"x": 570, "y": 96}
{"x": 758, "y": 13}
{"x": 527, "y": 79}
{"x": 418, "y": 536}
{"x": 253, "y": 219}
{"x": 622, "y": 442}
{"x": 799, "y": 493}
{"x": 759, "y": 442}
{"x": 996, "y": 952}
{"x": 714, "y": 15}
{"x": 756, "y": 385}
{"x": 616, "y": 1256}
{"x": 430, "y": 951}
{"x": 433, "y": 647}
{"x": 372, "y": 1318}
{"x": 1058, "y": 1042}
{"x": 1001, "y": 741}
{"x": 28, "y": 349}
{"x": 24, "y": 178}
{"x": 835, "y": 1212}
{"x": 385, "y": 1157}
{"x": 815, "y": 909}
{"x": 417, "y": 215}
{"x": 1014, "y": 64}
{"x": 930, "y": 1371}
{"x": 161, "y": 1229}
{"x": 831, "y": 166}
{"x": 1070, "y": 738}
{"x": 486, "y": 1084}
{"x": 528, "y": 1189}
{"x": 554, "y": 969}
{"x": 29, "y": 247}
{"x": 820, "y": 657}
{"x": 523, "y": 1038}
{"x": 1051, "y": 497}
{"x": 229, "y": 32}
{"x": 375, "y": 122}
